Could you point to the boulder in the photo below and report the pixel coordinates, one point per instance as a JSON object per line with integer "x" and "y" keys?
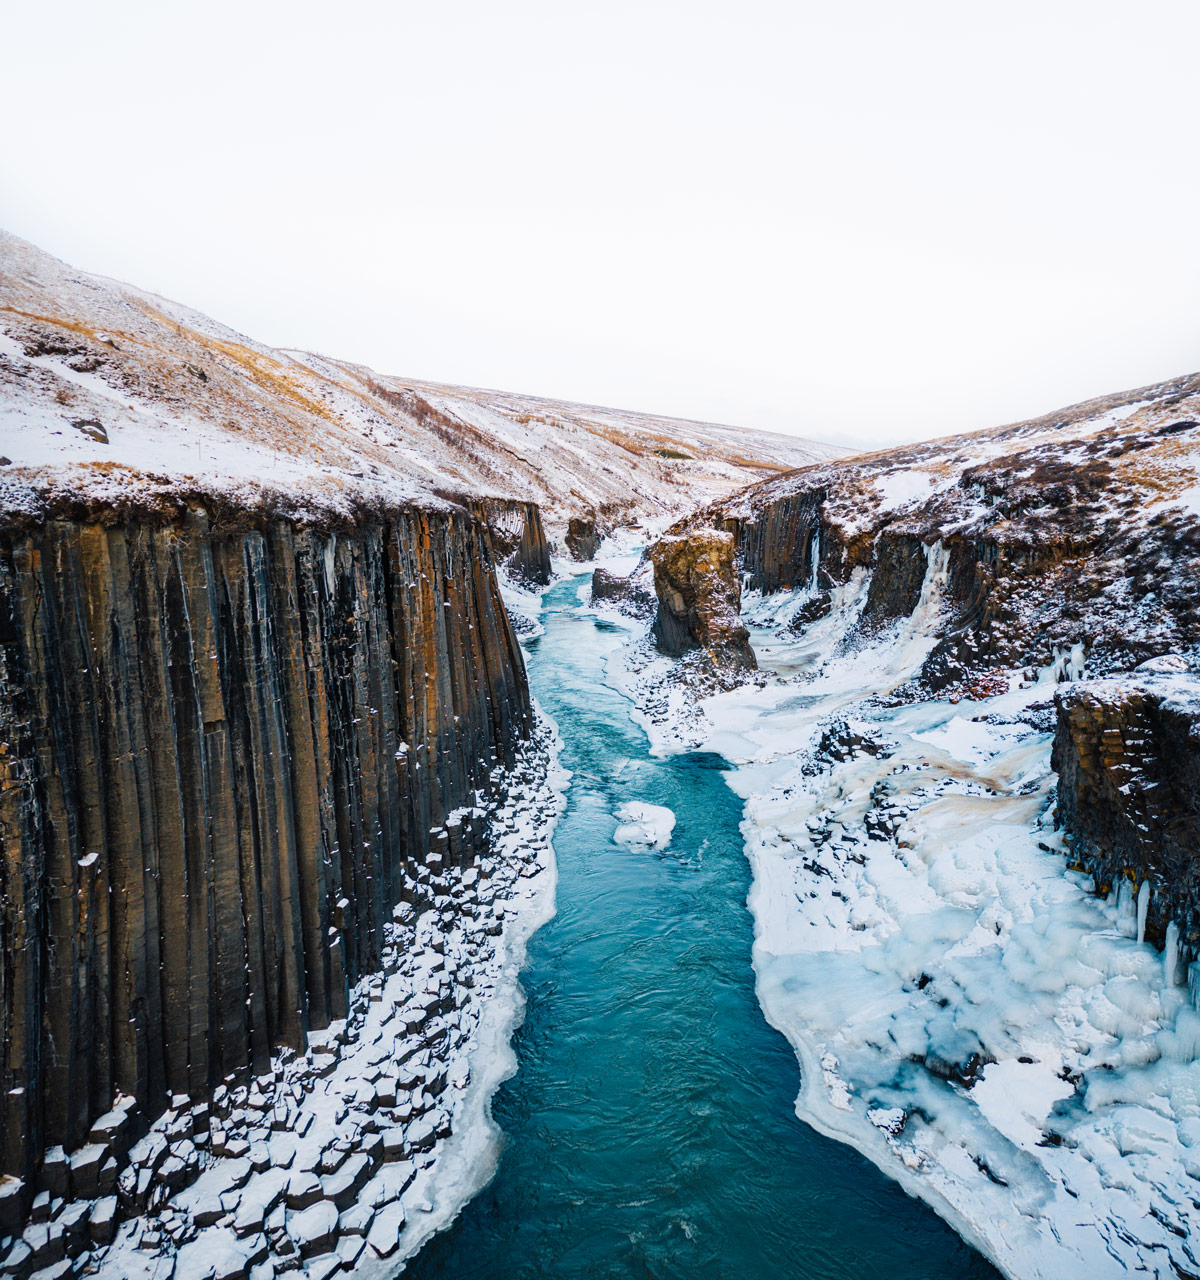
{"x": 314, "y": 1229}
{"x": 102, "y": 1221}
{"x": 303, "y": 1189}
{"x": 384, "y": 1235}
{"x": 699, "y": 598}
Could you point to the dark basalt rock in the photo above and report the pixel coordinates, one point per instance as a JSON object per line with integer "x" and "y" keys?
{"x": 778, "y": 547}
{"x": 699, "y": 597}
{"x": 630, "y": 595}
{"x": 223, "y": 755}
{"x": 1127, "y": 752}
{"x": 582, "y": 538}
{"x": 895, "y": 588}
{"x": 518, "y": 537}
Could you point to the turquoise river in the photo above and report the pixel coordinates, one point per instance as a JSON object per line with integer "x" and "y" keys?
{"x": 650, "y": 1128}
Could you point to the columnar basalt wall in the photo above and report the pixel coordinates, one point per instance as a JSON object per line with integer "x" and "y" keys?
{"x": 777, "y": 545}
{"x": 518, "y": 536}
{"x": 1127, "y": 752}
{"x": 222, "y": 753}
{"x": 1010, "y": 602}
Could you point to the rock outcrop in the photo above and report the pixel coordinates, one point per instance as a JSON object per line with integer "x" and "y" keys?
{"x": 518, "y": 537}
{"x": 1073, "y": 529}
{"x": 582, "y": 538}
{"x": 628, "y": 594}
{"x": 1127, "y": 752}
{"x": 699, "y": 596}
{"x": 224, "y": 751}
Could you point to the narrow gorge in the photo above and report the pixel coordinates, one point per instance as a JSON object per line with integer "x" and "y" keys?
{"x": 461, "y": 834}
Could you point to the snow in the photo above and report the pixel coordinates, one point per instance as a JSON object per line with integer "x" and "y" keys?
{"x": 190, "y": 406}
{"x": 644, "y": 824}
{"x": 898, "y": 488}
{"x": 1188, "y": 501}
{"x": 965, "y": 1010}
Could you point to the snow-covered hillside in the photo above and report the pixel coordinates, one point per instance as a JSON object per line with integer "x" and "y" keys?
{"x": 99, "y": 381}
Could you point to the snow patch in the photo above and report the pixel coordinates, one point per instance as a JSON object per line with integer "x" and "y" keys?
{"x": 650, "y": 825}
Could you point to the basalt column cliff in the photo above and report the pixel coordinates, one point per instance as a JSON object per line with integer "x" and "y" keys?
{"x": 224, "y": 753}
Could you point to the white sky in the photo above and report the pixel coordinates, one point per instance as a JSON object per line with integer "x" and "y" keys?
{"x": 866, "y": 221}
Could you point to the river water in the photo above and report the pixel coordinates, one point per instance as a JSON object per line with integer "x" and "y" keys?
{"x": 650, "y": 1126}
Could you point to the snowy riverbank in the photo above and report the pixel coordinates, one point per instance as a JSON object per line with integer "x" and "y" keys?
{"x": 354, "y": 1153}
{"x": 966, "y": 1012}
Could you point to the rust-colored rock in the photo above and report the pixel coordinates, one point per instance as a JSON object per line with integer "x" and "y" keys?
{"x": 699, "y": 597}
{"x": 223, "y": 752}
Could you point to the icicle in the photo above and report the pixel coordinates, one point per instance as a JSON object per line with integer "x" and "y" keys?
{"x": 1194, "y": 985}
{"x": 330, "y": 569}
{"x": 937, "y": 574}
{"x": 1126, "y": 921}
{"x": 1171, "y": 954}
{"x": 1075, "y": 668}
{"x": 1143, "y": 908}
{"x": 815, "y": 552}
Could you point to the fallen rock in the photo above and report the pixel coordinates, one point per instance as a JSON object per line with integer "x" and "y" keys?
{"x": 314, "y": 1229}
{"x": 303, "y": 1190}
{"x": 384, "y": 1235}
{"x": 102, "y": 1221}
{"x": 85, "y": 1170}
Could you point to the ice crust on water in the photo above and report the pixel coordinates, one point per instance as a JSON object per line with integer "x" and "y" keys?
{"x": 644, "y": 824}
{"x": 966, "y": 1011}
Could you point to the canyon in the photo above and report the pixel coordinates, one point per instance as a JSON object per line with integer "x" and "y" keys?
{"x": 278, "y": 806}
{"x": 966, "y": 763}
{"x": 274, "y": 791}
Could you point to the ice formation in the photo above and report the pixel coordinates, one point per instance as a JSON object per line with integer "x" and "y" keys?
{"x": 644, "y": 824}
{"x": 967, "y": 1012}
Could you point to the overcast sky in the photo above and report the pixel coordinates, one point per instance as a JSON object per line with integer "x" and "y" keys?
{"x": 866, "y": 221}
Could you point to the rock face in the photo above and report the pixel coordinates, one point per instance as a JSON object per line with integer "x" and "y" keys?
{"x": 224, "y": 752}
{"x": 582, "y": 539}
{"x": 1127, "y": 752}
{"x": 1073, "y": 529}
{"x": 699, "y": 597}
{"x": 627, "y": 593}
{"x": 518, "y": 537}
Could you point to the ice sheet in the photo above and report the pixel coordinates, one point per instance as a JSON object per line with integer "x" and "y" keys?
{"x": 966, "y": 1011}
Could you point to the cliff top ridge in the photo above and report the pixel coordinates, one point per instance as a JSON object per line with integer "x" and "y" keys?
{"x": 108, "y": 391}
